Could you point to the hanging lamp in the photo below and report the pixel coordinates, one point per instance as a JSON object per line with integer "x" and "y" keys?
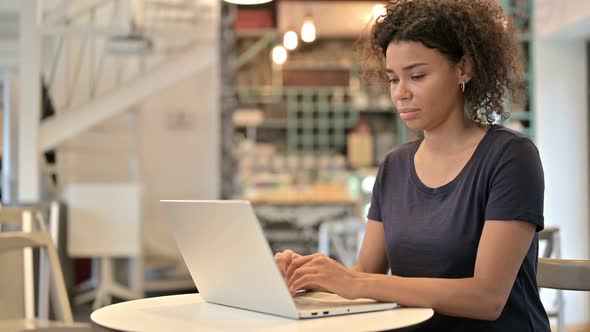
{"x": 308, "y": 32}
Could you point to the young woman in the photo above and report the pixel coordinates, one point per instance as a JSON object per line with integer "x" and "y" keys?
{"x": 455, "y": 214}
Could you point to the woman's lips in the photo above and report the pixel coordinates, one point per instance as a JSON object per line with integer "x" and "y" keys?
{"x": 408, "y": 114}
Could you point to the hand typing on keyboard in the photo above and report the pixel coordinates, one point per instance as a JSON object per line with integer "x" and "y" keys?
{"x": 319, "y": 272}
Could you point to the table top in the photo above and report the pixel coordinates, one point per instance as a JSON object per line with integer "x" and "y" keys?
{"x": 191, "y": 313}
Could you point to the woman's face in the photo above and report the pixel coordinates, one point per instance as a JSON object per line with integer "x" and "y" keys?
{"x": 424, "y": 85}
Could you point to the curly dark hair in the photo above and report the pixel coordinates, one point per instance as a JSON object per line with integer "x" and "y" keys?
{"x": 477, "y": 28}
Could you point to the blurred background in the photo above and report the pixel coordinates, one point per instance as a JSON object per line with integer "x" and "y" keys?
{"x": 109, "y": 106}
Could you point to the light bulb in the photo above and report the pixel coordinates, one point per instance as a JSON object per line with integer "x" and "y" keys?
{"x": 367, "y": 184}
{"x": 290, "y": 40}
{"x": 308, "y": 31}
{"x": 379, "y": 10}
{"x": 279, "y": 55}
{"x": 247, "y": 2}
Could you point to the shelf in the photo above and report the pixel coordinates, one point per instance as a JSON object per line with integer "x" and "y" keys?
{"x": 253, "y": 32}
{"x": 318, "y": 117}
{"x": 270, "y": 124}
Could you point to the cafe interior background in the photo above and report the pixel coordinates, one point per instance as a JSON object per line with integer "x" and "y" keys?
{"x": 109, "y": 106}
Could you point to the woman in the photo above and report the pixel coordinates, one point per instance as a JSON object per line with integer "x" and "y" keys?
{"x": 454, "y": 214}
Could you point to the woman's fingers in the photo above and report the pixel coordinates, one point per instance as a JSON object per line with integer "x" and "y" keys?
{"x": 300, "y": 272}
{"x": 284, "y": 259}
{"x": 281, "y": 263}
{"x": 308, "y": 280}
{"x": 297, "y": 263}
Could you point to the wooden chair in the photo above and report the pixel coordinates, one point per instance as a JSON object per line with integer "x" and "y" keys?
{"x": 550, "y": 237}
{"x": 565, "y": 274}
{"x": 16, "y": 254}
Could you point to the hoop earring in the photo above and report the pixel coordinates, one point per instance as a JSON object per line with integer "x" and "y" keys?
{"x": 462, "y": 85}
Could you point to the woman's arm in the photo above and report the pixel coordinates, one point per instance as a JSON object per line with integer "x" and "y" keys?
{"x": 502, "y": 248}
{"x": 372, "y": 256}
{"x": 501, "y": 251}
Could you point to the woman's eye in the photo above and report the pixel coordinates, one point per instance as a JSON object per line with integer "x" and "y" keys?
{"x": 393, "y": 80}
{"x": 418, "y": 77}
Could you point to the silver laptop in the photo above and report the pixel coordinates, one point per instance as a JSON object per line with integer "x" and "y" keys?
{"x": 232, "y": 264}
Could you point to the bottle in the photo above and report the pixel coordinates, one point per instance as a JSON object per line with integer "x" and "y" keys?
{"x": 360, "y": 146}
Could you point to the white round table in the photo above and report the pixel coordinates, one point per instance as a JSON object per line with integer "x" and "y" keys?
{"x": 191, "y": 313}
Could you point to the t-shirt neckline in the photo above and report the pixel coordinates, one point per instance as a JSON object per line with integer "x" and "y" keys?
{"x": 448, "y": 186}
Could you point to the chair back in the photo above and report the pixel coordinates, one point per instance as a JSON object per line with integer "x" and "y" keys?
{"x": 18, "y": 286}
{"x": 16, "y": 301}
{"x": 16, "y": 241}
{"x": 566, "y": 274}
{"x": 550, "y": 236}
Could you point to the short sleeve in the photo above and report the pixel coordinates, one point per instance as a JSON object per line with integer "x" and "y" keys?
{"x": 375, "y": 208}
{"x": 517, "y": 185}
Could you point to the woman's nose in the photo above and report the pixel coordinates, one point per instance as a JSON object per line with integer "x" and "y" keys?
{"x": 400, "y": 91}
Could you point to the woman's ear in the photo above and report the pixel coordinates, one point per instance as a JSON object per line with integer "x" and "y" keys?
{"x": 465, "y": 68}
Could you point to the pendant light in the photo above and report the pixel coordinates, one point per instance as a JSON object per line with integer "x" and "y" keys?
{"x": 308, "y": 33}
{"x": 290, "y": 40}
{"x": 279, "y": 55}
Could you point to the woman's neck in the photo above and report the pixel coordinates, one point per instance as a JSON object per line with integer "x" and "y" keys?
{"x": 453, "y": 136}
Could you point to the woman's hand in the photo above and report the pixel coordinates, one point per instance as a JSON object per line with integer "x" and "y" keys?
{"x": 320, "y": 272}
{"x": 284, "y": 260}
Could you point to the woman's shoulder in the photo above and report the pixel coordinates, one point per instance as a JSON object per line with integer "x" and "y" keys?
{"x": 508, "y": 145}
{"x": 503, "y": 135}
{"x": 504, "y": 140}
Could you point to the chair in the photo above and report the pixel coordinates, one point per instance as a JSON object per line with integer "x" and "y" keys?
{"x": 563, "y": 274}
{"x": 16, "y": 254}
{"x": 22, "y": 263}
{"x": 28, "y": 218}
{"x": 344, "y": 236}
{"x": 10, "y": 241}
{"x": 550, "y": 237}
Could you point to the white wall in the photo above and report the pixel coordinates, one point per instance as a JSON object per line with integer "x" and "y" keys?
{"x": 562, "y": 17}
{"x": 180, "y": 151}
{"x": 561, "y": 132}
{"x": 176, "y": 158}
{"x": 562, "y": 137}
{"x": 179, "y": 139}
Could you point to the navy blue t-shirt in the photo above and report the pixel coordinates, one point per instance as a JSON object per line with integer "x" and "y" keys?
{"x": 435, "y": 232}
